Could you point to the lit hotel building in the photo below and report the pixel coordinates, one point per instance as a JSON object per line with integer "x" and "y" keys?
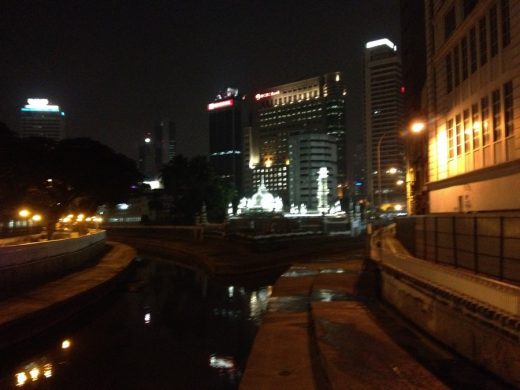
{"x": 312, "y": 106}
{"x": 225, "y": 137}
{"x": 38, "y": 118}
{"x": 473, "y": 78}
{"x": 382, "y": 117}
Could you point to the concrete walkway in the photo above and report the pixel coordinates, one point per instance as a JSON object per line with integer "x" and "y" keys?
{"x": 319, "y": 334}
{"x": 30, "y": 313}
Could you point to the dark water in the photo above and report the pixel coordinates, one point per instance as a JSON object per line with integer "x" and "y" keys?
{"x": 165, "y": 328}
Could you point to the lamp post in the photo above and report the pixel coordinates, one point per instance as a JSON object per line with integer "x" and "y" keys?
{"x": 413, "y": 157}
{"x": 379, "y": 199}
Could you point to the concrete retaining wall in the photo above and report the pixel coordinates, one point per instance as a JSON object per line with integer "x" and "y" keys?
{"x": 455, "y": 326}
{"x": 476, "y": 316}
{"x": 23, "y": 266}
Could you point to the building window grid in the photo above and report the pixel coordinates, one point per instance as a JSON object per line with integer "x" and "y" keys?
{"x": 484, "y": 109}
{"x": 495, "y": 97}
{"x": 483, "y": 40}
{"x": 493, "y": 31}
{"x": 506, "y": 23}
{"x": 473, "y": 50}
{"x": 464, "y": 52}
{"x": 476, "y": 125}
{"x": 451, "y": 147}
{"x": 467, "y": 131}
{"x": 458, "y": 134}
{"x": 449, "y": 74}
{"x": 508, "y": 109}
{"x": 456, "y": 65}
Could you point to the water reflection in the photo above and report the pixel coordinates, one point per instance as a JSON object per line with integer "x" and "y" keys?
{"x": 201, "y": 337}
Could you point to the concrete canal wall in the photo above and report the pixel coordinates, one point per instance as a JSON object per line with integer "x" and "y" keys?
{"x": 24, "y": 265}
{"x": 476, "y": 316}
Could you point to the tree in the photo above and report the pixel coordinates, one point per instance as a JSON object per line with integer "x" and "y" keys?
{"x": 192, "y": 183}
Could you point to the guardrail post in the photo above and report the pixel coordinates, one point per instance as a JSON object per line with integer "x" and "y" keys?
{"x": 454, "y": 231}
{"x": 501, "y": 258}
{"x": 475, "y": 244}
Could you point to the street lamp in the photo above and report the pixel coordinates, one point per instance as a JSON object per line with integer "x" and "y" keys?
{"x": 416, "y": 127}
{"x": 379, "y": 199}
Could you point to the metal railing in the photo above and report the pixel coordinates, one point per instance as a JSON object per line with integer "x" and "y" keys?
{"x": 487, "y": 244}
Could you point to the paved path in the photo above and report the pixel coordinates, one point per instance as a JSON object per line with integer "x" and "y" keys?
{"x": 318, "y": 334}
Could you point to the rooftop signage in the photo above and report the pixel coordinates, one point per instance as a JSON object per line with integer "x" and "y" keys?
{"x": 381, "y": 42}
{"x": 222, "y": 104}
{"x": 260, "y": 96}
{"x": 40, "y": 105}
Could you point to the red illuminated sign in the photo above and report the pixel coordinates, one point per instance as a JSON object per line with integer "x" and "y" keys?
{"x": 259, "y": 96}
{"x": 222, "y": 104}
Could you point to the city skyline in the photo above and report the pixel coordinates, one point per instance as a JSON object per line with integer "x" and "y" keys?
{"x": 116, "y": 72}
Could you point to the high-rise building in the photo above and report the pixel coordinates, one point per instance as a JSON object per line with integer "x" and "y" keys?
{"x": 225, "y": 137}
{"x": 473, "y": 79}
{"x": 310, "y": 106}
{"x": 38, "y": 118}
{"x": 157, "y": 149}
{"x": 307, "y": 154}
{"x": 383, "y": 123}
{"x": 148, "y": 158}
{"x": 165, "y": 141}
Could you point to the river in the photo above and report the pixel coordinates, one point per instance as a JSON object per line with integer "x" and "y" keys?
{"x": 165, "y": 327}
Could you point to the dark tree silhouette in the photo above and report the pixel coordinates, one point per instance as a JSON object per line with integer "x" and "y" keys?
{"x": 192, "y": 183}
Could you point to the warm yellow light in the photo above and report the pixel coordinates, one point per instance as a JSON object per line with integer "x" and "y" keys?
{"x": 34, "y": 373}
{"x": 417, "y": 126}
{"x": 21, "y": 378}
{"x": 47, "y": 370}
{"x": 80, "y": 217}
{"x": 268, "y": 163}
{"x": 65, "y": 344}
{"x": 398, "y": 207}
{"x": 36, "y": 218}
{"x": 88, "y": 219}
{"x": 287, "y": 162}
{"x": 476, "y": 126}
{"x": 399, "y": 182}
{"x": 24, "y": 213}
{"x": 392, "y": 171}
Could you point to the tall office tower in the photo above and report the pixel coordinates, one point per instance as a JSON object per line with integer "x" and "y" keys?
{"x": 225, "y": 137}
{"x": 473, "y": 81}
{"x": 165, "y": 142}
{"x": 148, "y": 158}
{"x": 40, "y": 119}
{"x": 307, "y": 154}
{"x": 315, "y": 105}
{"x": 383, "y": 123}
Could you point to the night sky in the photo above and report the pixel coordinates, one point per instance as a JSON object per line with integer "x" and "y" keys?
{"x": 117, "y": 67}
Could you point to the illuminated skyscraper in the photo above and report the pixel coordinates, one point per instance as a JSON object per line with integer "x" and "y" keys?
{"x": 40, "y": 119}
{"x": 383, "y": 122}
{"x": 225, "y": 137}
{"x": 305, "y": 107}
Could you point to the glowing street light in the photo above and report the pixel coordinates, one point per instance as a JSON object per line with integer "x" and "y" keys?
{"x": 417, "y": 126}
{"x": 24, "y": 213}
{"x": 36, "y": 218}
{"x": 392, "y": 171}
{"x": 399, "y": 182}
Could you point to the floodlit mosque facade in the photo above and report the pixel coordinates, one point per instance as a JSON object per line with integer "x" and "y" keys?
{"x": 264, "y": 202}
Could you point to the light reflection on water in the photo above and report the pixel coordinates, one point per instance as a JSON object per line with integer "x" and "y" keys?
{"x": 160, "y": 327}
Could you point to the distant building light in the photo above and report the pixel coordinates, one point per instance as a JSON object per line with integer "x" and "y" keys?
{"x": 403, "y": 89}
{"x": 40, "y": 105}
{"x": 217, "y": 105}
{"x": 122, "y": 206}
{"x": 154, "y": 184}
{"x": 260, "y": 96}
{"x": 381, "y": 42}
{"x": 147, "y": 140}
